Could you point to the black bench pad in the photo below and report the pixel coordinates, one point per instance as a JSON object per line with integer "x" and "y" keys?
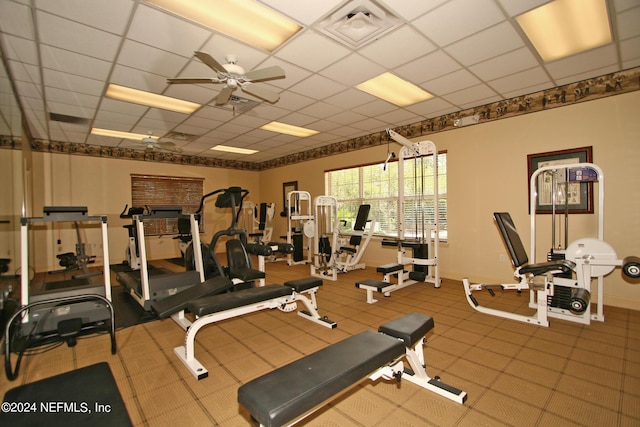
{"x": 301, "y": 285}
{"x": 544, "y": 267}
{"x": 389, "y": 268}
{"x": 409, "y": 328}
{"x": 174, "y": 303}
{"x": 222, "y": 302}
{"x": 289, "y": 392}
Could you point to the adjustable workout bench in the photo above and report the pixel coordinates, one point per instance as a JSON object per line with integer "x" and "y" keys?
{"x": 297, "y": 389}
{"x": 215, "y": 308}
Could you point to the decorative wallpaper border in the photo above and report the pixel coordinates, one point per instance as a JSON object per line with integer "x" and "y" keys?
{"x": 586, "y": 90}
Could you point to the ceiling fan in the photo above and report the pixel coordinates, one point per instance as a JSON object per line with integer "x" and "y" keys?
{"x": 151, "y": 143}
{"x": 233, "y": 75}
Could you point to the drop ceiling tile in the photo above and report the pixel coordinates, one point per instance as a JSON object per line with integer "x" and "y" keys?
{"x": 352, "y": 70}
{"x": 111, "y": 16}
{"x": 201, "y": 94}
{"x": 350, "y": 98}
{"x": 59, "y": 80}
{"x": 305, "y": 51}
{"x": 593, "y": 59}
{"x": 375, "y": 108}
{"x": 630, "y": 49}
{"x": 166, "y": 32}
{"x": 513, "y": 82}
{"x": 317, "y": 87}
{"x": 347, "y": 117}
{"x": 146, "y": 58}
{"x": 397, "y": 48}
{"x": 16, "y": 19}
{"x": 431, "y": 108}
{"x": 303, "y": 12}
{"x": 470, "y": 95}
{"x": 74, "y": 63}
{"x": 410, "y": 9}
{"x": 20, "y": 49}
{"x": 320, "y": 110}
{"x": 508, "y": 63}
{"x": 75, "y": 37}
{"x": 587, "y": 75}
{"x": 291, "y": 101}
{"x": 294, "y": 74}
{"x": 489, "y": 43}
{"x": 72, "y": 98}
{"x": 428, "y": 67}
{"x": 629, "y": 23}
{"x": 451, "y": 82}
{"x": 458, "y": 19}
{"x": 518, "y": 7}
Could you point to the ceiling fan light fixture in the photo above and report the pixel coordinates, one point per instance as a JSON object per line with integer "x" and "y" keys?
{"x": 127, "y": 94}
{"x": 245, "y": 20}
{"x": 563, "y": 28}
{"x": 289, "y": 129}
{"x": 235, "y": 150}
{"x": 123, "y": 135}
{"x": 395, "y": 90}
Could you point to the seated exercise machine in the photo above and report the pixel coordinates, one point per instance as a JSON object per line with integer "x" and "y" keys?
{"x": 147, "y": 284}
{"x": 553, "y": 295}
{"x": 329, "y": 257}
{"x": 417, "y": 230}
{"x": 240, "y": 266}
{"x": 292, "y": 392}
{"x": 79, "y": 260}
{"x": 257, "y": 220}
{"x": 211, "y": 305}
{"x": 66, "y": 310}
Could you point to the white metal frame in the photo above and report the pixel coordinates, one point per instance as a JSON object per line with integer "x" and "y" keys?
{"x": 295, "y": 203}
{"x": 66, "y": 217}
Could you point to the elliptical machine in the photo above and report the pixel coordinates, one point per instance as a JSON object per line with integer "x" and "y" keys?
{"x": 239, "y": 267}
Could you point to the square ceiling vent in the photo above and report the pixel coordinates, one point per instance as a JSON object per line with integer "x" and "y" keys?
{"x": 238, "y": 105}
{"x": 358, "y": 23}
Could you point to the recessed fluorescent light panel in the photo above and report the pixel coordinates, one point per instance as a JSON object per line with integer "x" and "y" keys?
{"x": 245, "y": 20}
{"x": 127, "y": 94}
{"x": 289, "y": 129}
{"x": 395, "y": 90}
{"x": 566, "y": 27}
{"x": 119, "y": 134}
{"x": 235, "y": 150}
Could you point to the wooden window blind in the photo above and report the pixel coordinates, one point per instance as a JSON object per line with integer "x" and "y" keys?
{"x": 153, "y": 190}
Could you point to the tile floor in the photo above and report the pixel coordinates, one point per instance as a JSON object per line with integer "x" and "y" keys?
{"x": 514, "y": 374}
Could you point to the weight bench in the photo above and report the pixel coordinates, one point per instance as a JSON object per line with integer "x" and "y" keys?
{"x": 215, "y": 308}
{"x": 174, "y": 305}
{"x": 297, "y": 389}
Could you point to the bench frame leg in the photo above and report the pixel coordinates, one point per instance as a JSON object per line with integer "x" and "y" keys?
{"x": 186, "y": 352}
{"x": 418, "y": 375}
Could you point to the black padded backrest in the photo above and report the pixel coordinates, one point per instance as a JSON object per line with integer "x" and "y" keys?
{"x": 184, "y": 226}
{"x": 237, "y": 256}
{"x": 230, "y": 198}
{"x": 362, "y": 218}
{"x": 511, "y": 238}
{"x": 263, "y": 217}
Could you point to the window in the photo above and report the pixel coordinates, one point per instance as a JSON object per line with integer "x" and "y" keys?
{"x": 152, "y": 191}
{"x": 378, "y": 185}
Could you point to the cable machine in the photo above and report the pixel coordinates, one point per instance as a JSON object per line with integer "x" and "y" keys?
{"x": 418, "y": 224}
{"x": 300, "y": 227}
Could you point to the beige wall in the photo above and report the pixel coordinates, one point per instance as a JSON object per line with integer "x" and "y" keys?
{"x": 487, "y": 172}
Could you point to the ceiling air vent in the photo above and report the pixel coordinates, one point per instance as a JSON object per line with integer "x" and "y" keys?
{"x": 68, "y": 119}
{"x": 358, "y": 23}
{"x": 238, "y": 105}
{"x": 181, "y": 136}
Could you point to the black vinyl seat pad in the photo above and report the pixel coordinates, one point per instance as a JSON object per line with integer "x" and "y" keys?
{"x": 289, "y": 392}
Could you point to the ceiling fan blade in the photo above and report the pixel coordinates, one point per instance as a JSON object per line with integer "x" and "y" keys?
{"x": 194, "y": 81}
{"x": 268, "y": 73}
{"x": 212, "y": 63}
{"x": 224, "y": 95}
{"x": 260, "y": 92}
